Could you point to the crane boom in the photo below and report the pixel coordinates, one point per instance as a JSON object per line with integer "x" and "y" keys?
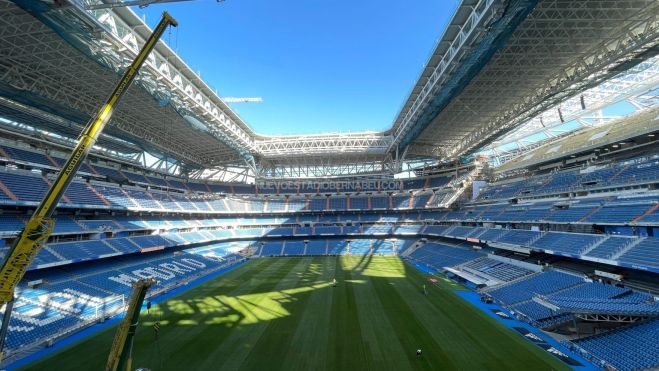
{"x": 121, "y": 357}
{"x": 37, "y": 230}
{"x": 242, "y": 100}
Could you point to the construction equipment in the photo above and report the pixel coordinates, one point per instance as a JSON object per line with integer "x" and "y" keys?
{"x": 37, "y": 230}
{"x": 121, "y": 353}
{"x": 242, "y": 99}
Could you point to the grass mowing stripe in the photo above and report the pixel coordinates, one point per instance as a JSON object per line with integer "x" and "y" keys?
{"x": 95, "y": 348}
{"x": 277, "y": 313}
{"x": 441, "y": 306}
{"x": 294, "y": 300}
{"x": 309, "y": 345}
{"x": 411, "y": 332}
{"x": 375, "y": 326}
{"x": 347, "y": 350}
{"x": 215, "y": 324}
{"x": 264, "y": 308}
{"x": 474, "y": 332}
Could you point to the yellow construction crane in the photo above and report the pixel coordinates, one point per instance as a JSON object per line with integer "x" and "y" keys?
{"x": 121, "y": 353}
{"x": 37, "y": 230}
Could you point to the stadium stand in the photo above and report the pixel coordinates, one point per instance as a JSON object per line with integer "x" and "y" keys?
{"x": 542, "y": 284}
{"x": 337, "y": 247}
{"x": 272, "y": 248}
{"x": 294, "y": 248}
{"x": 439, "y": 255}
{"x": 600, "y": 298}
{"x": 521, "y": 288}
{"x": 317, "y": 247}
{"x": 612, "y": 132}
{"x": 534, "y": 234}
{"x": 496, "y": 269}
{"x": 67, "y": 301}
{"x": 627, "y": 348}
{"x": 360, "y": 247}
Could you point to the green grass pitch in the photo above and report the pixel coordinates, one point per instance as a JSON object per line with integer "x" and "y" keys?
{"x": 284, "y": 314}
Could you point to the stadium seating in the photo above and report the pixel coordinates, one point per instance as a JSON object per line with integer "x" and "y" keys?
{"x": 627, "y": 348}
{"x": 541, "y": 284}
{"x": 81, "y": 251}
{"x": 597, "y": 298}
{"x": 603, "y": 210}
{"x": 28, "y": 156}
{"x": 272, "y": 248}
{"x": 26, "y": 187}
{"x": 382, "y": 248}
{"x": 610, "y": 247}
{"x": 630, "y": 251}
{"x": 440, "y": 255}
{"x": 303, "y": 231}
{"x": 327, "y": 230}
{"x": 66, "y": 301}
{"x": 294, "y": 248}
{"x": 539, "y": 314}
{"x": 352, "y": 229}
{"x": 408, "y": 229}
{"x": 566, "y": 242}
{"x": 645, "y": 253}
{"x": 358, "y": 203}
{"x": 317, "y": 211}
{"x": 31, "y": 322}
{"x": 337, "y": 203}
{"x": 519, "y": 237}
{"x": 360, "y": 247}
{"x": 81, "y": 194}
{"x": 497, "y": 269}
{"x": 379, "y": 202}
{"x": 317, "y": 247}
{"x": 400, "y": 201}
{"x": 317, "y": 203}
{"x": 337, "y": 247}
{"x": 377, "y": 229}
{"x": 635, "y": 171}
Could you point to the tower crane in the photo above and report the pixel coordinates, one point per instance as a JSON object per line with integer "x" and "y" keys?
{"x": 242, "y": 100}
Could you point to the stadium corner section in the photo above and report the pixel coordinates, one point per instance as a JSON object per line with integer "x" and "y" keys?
{"x": 507, "y": 319}
{"x": 95, "y": 328}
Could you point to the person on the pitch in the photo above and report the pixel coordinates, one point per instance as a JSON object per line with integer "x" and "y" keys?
{"x": 418, "y": 353}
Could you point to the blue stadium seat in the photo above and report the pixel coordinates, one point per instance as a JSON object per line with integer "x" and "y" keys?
{"x": 294, "y": 248}
{"x": 440, "y": 255}
{"x": 272, "y": 248}
{"x": 628, "y": 348}
{"x": 541, "y": 284}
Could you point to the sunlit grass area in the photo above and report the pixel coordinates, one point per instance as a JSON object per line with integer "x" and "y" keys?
{"x": 285, "y": 314}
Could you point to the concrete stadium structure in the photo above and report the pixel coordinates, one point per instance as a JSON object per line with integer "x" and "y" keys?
{"x": 479, "y": 178}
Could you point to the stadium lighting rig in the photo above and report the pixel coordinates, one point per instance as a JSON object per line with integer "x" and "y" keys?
{"x": 37, "y": 230}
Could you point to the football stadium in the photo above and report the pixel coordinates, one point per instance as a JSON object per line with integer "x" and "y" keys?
{"x": 506, "y": 217}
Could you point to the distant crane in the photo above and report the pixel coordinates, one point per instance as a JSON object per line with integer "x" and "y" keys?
{"x": 242, "y": 100}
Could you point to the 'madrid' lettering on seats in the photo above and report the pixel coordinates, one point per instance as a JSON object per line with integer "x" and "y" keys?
{"x": 162, "y": 272}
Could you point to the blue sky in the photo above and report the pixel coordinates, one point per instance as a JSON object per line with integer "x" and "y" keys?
{"x": 320, "y": 66}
